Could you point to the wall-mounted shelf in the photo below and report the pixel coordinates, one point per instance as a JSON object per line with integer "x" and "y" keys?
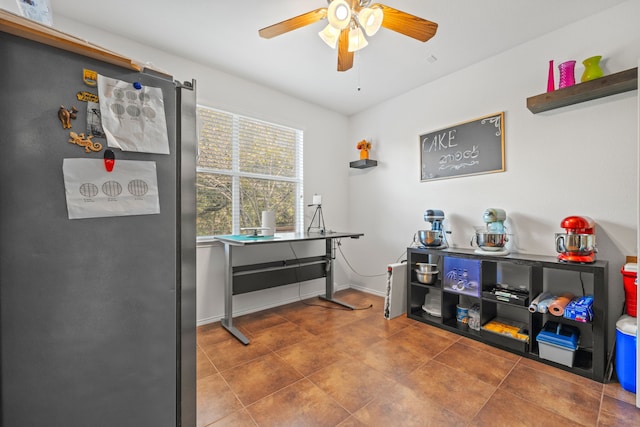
{"x": 363, "y": 164}
{"x": 19, "y": 26}
{"x": 612, "y": 84}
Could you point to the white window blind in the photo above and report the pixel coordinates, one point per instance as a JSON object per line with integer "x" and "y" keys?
{"x": 246, "y": 166}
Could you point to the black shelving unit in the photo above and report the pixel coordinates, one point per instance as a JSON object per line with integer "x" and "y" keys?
{"x": 536, "y": 273}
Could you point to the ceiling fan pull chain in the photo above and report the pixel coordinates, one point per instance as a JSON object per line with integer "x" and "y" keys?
{"x": 358, "y": 72}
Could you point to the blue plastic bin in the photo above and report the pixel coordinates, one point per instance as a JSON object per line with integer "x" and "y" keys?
{"x": 626, "y": 344}
{"x": 558, "y": 342}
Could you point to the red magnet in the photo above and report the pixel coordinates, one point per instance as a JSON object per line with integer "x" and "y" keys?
{"x": 109, "y": 160}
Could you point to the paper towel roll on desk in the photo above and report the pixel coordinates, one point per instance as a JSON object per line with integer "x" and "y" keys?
{"x": 268, "y": 223}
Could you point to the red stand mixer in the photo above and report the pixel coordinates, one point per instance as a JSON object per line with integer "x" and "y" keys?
{"x": 578, "y": 244}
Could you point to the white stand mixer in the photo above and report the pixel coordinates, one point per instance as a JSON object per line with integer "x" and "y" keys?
{"x": 492, "y": 241}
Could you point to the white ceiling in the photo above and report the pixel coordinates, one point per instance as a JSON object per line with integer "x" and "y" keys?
{"x": 224, "y": 35}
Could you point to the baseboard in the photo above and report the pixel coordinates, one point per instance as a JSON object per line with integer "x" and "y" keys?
{"x": 239, "y": 313}
{"x": 367, "y": 290}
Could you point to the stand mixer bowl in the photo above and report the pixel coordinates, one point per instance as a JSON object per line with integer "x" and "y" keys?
{"x": 430, "y": 237}
{"x": 490, "y": 241}
{"x": 579, "y": 244}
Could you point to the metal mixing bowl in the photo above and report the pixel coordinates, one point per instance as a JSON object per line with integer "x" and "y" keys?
{"x": 490, "y": 241}
{"x": 426, "y": 278}
{"x": 424, "y": 267}
{"x": 575, "y": 243}
{"x": 430, "y": 237}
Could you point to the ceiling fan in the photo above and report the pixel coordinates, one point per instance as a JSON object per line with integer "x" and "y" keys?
{"x": 347, "y": 20}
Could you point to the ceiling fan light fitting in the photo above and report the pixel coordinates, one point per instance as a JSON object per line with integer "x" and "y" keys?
{"x": 339, "y": 14}
{"x": 356, "y": 40}
{"x": 330, "y": 36}
{"x": 370, "y": 19}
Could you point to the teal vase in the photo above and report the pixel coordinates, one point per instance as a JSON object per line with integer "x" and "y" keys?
{"x": 592, "y": 69}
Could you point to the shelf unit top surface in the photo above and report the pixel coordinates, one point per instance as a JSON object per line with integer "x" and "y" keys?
{"x": 529, "y": 259}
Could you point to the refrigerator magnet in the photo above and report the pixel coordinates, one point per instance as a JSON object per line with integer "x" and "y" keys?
{"x": 86, "y": 142}
{"x": 65, "y": 116}
{"x": 109, "y": 160}
{"x": 87, "y": 96}
{"x": 89, "y": 77}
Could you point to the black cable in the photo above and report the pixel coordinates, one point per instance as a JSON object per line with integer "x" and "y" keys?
{"x": 352, "y": 269}
{"x": 317, "y": 305}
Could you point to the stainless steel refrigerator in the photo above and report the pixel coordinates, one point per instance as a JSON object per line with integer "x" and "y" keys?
{"x": 97, "y": 314}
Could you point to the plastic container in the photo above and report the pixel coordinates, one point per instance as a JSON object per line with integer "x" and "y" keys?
{"x": 474, "y": 317}
{"x": 626, "y": 343}
{"x": 462, "y": 314}
{"x": 558, "y": 342}
{"x": 432, "y": 303}
{"x": 630, "y": 280}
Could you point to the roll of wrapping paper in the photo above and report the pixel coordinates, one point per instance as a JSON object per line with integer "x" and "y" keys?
{"x": 543, "y": 306}
{"x": 557, "y": 306}
{"x": 533, "y": 307}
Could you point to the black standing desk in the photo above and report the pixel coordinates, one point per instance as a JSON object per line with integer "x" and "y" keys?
{"x": 253, "y": 277}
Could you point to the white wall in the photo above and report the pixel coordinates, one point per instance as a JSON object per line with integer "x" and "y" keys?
{"x": 325, "y": 147}
{"x": 578, "y": 160}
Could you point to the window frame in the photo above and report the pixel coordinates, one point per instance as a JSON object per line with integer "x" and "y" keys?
{"x": 236, "y": 174}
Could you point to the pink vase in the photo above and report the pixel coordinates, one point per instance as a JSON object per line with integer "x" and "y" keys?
{"x": 551, "y": 84}
{"x": 567, "y": 76}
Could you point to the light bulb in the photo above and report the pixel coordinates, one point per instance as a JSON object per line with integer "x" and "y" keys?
{"x": 371, "y": 19}
{"x": 356, "y": 40}
{"x": 330, "y": 35}
{"x": 339, "y": 14}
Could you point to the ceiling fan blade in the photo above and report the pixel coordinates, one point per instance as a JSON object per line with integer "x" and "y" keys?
{"x": 345, "y": 58}
{"x": 293, "y": 23}
{"x": 407, "y": 24}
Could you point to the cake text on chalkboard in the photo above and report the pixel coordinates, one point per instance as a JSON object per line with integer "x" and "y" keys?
{"x": 469, "y": 148}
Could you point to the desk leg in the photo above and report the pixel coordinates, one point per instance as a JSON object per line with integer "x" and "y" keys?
{"x": 329, "y": 284}
{"x": 227, "y": 321}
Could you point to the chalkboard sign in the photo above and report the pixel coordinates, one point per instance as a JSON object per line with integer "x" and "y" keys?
{"x": 468, "y": 148}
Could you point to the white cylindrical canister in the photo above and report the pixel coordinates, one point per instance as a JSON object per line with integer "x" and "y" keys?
{"x": 268, "y": 223}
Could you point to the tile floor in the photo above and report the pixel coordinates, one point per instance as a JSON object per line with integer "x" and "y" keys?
{"x": 312, "y": 366}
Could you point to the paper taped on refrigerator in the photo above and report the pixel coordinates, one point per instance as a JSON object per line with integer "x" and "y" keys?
{"x": 131, "y": 188}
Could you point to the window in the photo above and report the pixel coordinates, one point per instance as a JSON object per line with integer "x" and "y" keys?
{"x": 246, "y": 166}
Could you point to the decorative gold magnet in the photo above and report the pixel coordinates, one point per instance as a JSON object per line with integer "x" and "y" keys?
{"x": 89, "y": 77}
{"x": 87, "y": 96}
{"x": 87, "y": 143}
{"x": 65, "y": 116}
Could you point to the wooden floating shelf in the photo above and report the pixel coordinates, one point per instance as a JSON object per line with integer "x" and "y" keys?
{"x": 363, "y": 164}
{"x": 19, "y": 26}
{"x": 612, "y": 84}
